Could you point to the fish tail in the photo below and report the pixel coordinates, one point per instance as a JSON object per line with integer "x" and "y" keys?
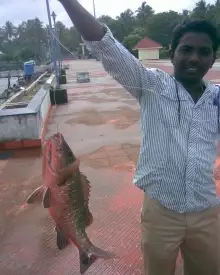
{"x": 88, "y": 258}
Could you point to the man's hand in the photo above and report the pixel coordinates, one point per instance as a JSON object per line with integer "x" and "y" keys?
{"x": 85, "y": 23}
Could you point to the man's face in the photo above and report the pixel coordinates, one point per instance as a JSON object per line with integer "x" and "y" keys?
{"x": 193, "y": 57}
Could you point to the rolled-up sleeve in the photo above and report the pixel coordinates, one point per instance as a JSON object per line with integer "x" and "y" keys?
{"x": 122, "y": 65}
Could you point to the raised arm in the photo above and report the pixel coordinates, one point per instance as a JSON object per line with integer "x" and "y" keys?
{"x": 116, "y": 59}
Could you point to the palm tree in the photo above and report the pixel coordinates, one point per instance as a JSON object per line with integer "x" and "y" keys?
{"x": 144, "y": 12}
{"x": 200, "y": 11}
{"x": 9, "y": 30}
{"x": 127, "y": 21}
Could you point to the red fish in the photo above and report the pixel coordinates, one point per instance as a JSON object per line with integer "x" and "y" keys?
{"x": 66, "y": 195}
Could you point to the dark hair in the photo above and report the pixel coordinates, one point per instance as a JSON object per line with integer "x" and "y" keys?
{"x": 199, "y": 26}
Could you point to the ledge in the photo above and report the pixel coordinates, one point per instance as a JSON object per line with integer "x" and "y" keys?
{"x": 25, "y": 127}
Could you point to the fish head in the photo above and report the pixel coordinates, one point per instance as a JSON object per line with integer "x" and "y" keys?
{"x": 57, "y": 155}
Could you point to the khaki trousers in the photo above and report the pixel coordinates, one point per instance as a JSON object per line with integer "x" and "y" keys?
{"x": 164, "y": 232}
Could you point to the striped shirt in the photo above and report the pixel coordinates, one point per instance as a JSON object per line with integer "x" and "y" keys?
{"x": 178, "y": 136}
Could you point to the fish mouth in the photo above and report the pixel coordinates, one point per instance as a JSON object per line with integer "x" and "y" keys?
{"x": 54, "y": 153}
{"x": 58, "y": 140}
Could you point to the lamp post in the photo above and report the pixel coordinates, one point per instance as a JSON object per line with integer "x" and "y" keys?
{"x": 53, "y": 46}
{"x": 59, "y": 48}
{"x": 49, "y": 45}
{"x": 53, "y": 15}
{"x": 94, "y": 12}
{"x": 42, "y": 52}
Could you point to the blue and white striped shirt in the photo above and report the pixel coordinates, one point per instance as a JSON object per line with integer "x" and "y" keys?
{"x": 178, "y": 152}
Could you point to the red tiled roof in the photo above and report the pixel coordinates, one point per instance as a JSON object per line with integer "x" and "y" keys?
{"x": 147, "y": 43}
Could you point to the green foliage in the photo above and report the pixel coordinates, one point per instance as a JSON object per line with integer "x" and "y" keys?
{"x": 164, "y": 53}
{"x": 143, "y": 14}
{"x": 161, "y": 25}
{"x": 29, "y": 40}
{"x": 131, "y": 41}
{"x": 218, "y": 53}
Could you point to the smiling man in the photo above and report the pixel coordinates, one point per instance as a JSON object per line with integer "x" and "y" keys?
{"x": 180, "y": 129}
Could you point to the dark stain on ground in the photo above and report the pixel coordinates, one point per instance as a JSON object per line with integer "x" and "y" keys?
{"x": 121, "y": 157}
{"x": 98, "y": 99}
{"x": 80, "y": 95}
{"x": 121, "y": 118}
{"x": 94, "y": 99}
{"x": 120, "y": 91}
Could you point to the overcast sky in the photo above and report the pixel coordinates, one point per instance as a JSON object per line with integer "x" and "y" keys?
{"x": 16, "y": 11}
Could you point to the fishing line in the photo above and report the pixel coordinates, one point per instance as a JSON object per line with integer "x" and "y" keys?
{"x": 140, "y": 88}
{"x": 54, "y": 90}
{"x": 54, "y": 36}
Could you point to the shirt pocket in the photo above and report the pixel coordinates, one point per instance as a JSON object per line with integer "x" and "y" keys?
{"x": 208, "y": 121}
{"x": 169, "y": 111}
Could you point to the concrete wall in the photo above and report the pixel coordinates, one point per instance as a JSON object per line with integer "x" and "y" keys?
{"x": 144, "y": 54}
{"x": 26, "y": 123}
{"x": 18, "y": 127}
{"x": 43, "y": 111}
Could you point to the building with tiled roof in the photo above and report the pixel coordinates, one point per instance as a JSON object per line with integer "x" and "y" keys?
{"x": 148, "y": 49}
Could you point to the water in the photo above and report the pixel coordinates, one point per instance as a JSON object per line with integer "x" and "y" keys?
{"x": 4, "y": 85}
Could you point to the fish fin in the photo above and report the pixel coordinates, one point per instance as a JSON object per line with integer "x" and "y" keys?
{"x": 46, "y": 198}
{"x": 87, "y": 259}
{"x": 86, "y": 188}
{"x": 100, "y": 253}
{"x": 36, "y": 196}
{"x": 62, "y": 241}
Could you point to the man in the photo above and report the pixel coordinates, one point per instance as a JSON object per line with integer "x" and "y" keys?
{"x": 180, "y": 128}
